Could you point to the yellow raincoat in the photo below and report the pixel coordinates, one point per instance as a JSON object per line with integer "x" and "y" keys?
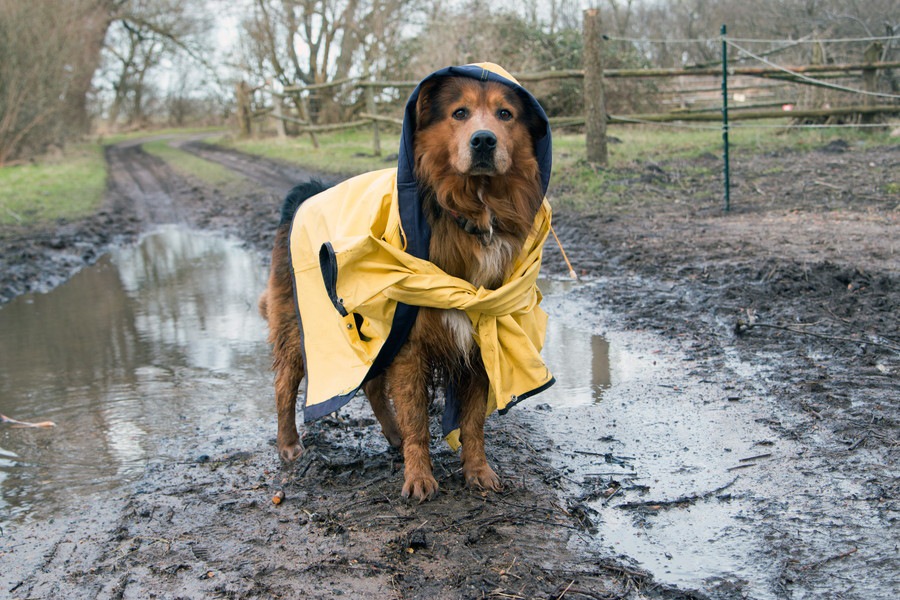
{"x": 354, "y": 265}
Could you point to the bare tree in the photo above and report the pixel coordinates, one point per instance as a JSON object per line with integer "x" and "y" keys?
{"x": 143, "y": 35}
{"x": 317, "y": 41}
{"x": 48, "y": 53}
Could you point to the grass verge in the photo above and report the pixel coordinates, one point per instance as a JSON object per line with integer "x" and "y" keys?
{"x": 189, "y": 165}
{"x": 576, "y": 184}
{"x": 67, "y": 187}
{"x": 581, "y": 186}
{"x": 342, "y": 152}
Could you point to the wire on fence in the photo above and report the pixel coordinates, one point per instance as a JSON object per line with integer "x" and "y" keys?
{"x": 807, "y": 126}
{"x": 798, "y": 75}
{"x": 612, "y": 38}
{"x": 803, "y": 40}
{"x": 811, "y": 40}
{"x": 635, "y": 121}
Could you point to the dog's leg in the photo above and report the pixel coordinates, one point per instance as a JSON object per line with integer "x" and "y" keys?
{"x": 288, "y": 367}
{"x": 276, "y": 305}
{"x": 473, "y": 398}
{"x": 408, "y": 380}
{"x": 378, "y": 398}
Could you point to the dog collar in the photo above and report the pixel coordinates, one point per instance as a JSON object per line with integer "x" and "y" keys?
{"x": 470, "y": 227}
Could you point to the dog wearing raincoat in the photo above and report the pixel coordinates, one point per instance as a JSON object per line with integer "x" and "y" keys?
{"x": 421, "y": 277}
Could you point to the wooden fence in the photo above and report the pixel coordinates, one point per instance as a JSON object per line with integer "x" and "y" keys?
{"x": 594, "y": 76}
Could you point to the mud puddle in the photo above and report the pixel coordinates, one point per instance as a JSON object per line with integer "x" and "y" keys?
{"x": 666, "y": 460}
{"x": 126, "y": 357}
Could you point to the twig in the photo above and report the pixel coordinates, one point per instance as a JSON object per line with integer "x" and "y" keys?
{"x": 743, "y": 326}
{"x": 678, "y": 501}
{"x": 830, "y": 185}
{"x": 610, "y": 497}
{"x": 746, "y": 466}
{"x": 857, "y": 443}
{"x": 566, "y": 590}
{"x": 591, "y": 594}
{"x": 526, "y": 444}
{"x": 17, "y": 423}
{"x": 819, "y": 563}
{"x": 757, "y": 457}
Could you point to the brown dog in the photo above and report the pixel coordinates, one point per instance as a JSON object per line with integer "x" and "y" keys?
{"x": 475, "y": 162}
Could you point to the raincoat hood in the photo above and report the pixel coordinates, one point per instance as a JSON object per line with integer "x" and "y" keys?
{"x": 408, "y": 187}
{"x": 359, "y": 254}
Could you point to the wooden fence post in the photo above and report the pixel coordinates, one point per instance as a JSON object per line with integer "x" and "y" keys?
{"x": 870, "y": 79}
{"x": 594, "y": 101}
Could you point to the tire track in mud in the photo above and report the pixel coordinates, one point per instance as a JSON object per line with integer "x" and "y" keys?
{"x": 268, "y": 173}
{"x": 144, "y": 181}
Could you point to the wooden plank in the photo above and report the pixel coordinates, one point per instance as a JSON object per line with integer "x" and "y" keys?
{"x": 755, "y": 115}
{"x": 739, "y": 116}
{"x": 382, "y": 118}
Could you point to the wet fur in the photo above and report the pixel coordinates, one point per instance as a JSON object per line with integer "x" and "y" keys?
{"x": 500, "y": 200}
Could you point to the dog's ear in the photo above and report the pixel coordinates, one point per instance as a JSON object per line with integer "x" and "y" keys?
{"x": 428, "y": 105}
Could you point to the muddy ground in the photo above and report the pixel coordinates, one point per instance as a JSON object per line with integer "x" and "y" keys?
{"x": 799, "y": 280}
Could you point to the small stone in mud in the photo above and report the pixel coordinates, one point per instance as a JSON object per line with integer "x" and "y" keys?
{"x": 278, "y": 497}
{"x": 203, "y": 458}
{"x": 543, "y": 406}
{"x": 417, "y": 540}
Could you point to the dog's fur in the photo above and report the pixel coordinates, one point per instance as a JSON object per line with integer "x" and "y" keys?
{"x": 475, "y": 159}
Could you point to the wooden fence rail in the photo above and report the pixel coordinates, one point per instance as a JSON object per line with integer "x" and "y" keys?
{"x": 593, "y": 75}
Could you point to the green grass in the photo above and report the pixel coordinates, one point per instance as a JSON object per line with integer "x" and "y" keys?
{"x": 581, "y": 186}
{"x": 67, "y": 187}
{"x": 189, "y": 165}
{"x": 115, "y": 138}
{"x": 575, "y": 183}
{"x": 343, "y": 152}
{"x": 657, "y": 143}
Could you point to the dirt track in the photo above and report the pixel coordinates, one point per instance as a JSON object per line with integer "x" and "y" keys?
{"x": 800, "y": 283}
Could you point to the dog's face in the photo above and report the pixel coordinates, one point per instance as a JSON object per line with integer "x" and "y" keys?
{"x": 473, "y": 127}
{"x": 475, "y": 149}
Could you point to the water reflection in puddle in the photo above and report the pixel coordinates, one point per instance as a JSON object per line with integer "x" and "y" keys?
{"x": 627, "y": 409}
{"x": 124, "y": 356}
{"x": 579, "y": 360}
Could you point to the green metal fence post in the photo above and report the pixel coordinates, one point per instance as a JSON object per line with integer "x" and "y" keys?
{"x": 726, "y": 168}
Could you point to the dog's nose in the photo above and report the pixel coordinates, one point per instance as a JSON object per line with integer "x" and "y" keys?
{"x": 483, "y": 141}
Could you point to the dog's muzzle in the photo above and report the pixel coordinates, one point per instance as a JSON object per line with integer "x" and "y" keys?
{"x": 482, "y": 144}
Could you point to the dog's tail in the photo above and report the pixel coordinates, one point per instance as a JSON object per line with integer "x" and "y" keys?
{"x": 280, "y": 274}
{"x": 297, "y": 196}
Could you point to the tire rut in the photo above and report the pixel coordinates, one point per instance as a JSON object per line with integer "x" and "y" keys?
{"x": 145, "y": 182}
{"x": 270, "y": 174}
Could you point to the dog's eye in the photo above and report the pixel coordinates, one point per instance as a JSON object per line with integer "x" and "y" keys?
{"x": 460, "y": 113}
{"x": 504, "y": 115}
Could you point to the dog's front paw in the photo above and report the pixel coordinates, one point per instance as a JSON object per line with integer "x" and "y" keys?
{"x": 420, "y": 487}
{"x": 482, "y": 477}
{"x": 290, "y": 452}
